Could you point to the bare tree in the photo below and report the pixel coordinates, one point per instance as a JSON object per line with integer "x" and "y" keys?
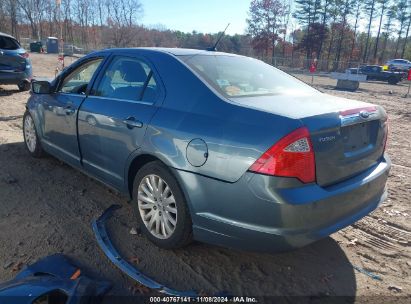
{"x": 370, "y": 10}
{"x": 391, "y": 14}
{"x": 357, "y": 16}
{"x": 265, "y": 23}
{"x": 406, "y": 34}
{"x": 402, "y": 17}
{"x": 383, "y": 5}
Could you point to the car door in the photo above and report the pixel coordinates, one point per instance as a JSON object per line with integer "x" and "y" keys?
{"x": 373, "y": 73}
{"x": 113, "y": 119}
{"x": 61, "y": 107}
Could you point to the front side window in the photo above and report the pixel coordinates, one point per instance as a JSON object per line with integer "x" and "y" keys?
{"x": 77, "y": 81}
{"x": 127, "y": 78}
{"x": 236, "y": 76}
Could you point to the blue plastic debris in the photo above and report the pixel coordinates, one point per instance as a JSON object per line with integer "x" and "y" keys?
{"x": 111, "y": 252}
{"x": 53, "y": 279}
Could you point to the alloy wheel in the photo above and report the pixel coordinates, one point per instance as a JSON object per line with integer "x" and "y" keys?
{"x": 30, "y": 133}
{"x": 157, "y": 206}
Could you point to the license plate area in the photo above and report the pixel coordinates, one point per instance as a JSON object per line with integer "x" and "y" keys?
{"x": 356, "y": 137}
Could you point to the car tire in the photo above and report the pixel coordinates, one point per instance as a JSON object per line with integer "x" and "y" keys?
{"x": 392, "y": 80}
{"x": 162, "y": 214}
{"x": 31, "y": 139}
{"x": 24, "y": 86}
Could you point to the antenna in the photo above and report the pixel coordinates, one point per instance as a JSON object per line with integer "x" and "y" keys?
{"x": 214, "y": 48}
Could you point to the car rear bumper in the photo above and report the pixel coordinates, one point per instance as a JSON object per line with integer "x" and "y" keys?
{"x": 16, "y": 77}
{"x": 265, "y": 213}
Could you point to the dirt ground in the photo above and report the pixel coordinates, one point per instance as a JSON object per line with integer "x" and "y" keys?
{"x": 46, "y": 207}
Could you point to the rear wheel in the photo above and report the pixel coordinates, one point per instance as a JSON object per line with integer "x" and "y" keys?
{"x": 31, "y": 139}
{"x": 160, "y": 206}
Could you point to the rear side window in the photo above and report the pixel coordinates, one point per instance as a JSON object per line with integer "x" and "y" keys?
{"x": 237, "y": 76}
{"x": 128, "y": 78}
{"x": 7, "y": 43}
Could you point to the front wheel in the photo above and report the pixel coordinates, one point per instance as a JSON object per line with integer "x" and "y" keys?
{"x": 31, "y": 138}
{"x": 24, "y": 86}
{"x": 392, "y": 80}
{"x": 160, "y": 206}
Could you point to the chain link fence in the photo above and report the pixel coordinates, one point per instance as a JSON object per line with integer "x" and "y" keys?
{"x": 302, "y": 65}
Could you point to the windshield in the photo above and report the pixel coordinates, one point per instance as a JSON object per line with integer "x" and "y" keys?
{"x": 236, "y": 76}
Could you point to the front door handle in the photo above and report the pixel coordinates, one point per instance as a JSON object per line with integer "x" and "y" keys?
{"x": 131, "y": 123}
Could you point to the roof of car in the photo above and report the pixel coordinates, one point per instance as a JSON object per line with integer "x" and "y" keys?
{"x": 176, "y": 51}
{"x": 6, "y": 35}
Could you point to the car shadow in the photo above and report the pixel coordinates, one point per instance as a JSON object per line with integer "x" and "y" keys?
{"x": 319, "y": 270}
{"x": 4, "y": 92}
{"x": 8, "y": 118}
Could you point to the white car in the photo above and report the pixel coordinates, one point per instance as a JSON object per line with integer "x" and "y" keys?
{"x": 399, "y": 64}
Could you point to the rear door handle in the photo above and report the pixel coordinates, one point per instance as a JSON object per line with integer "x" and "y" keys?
{"x": 69, "y": 110}
{"x": 131, "y": 123}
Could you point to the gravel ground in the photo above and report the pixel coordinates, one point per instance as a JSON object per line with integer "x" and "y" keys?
{"x": 46, "y": 207}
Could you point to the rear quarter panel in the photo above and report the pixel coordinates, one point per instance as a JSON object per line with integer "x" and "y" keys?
{"x": 235, "y": 135}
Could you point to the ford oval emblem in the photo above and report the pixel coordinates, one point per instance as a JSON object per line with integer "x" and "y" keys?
{"x": 364, "y": 114}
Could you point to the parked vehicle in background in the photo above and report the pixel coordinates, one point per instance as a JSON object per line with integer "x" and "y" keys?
{"x": 376, "y": 72}
{"x": 15, "y": 64}
{"x": 399, "y": 64}
{"x": 215, "y": 147}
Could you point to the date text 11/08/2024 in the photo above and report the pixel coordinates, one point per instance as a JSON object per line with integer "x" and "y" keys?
{"x": 202, "y": 299}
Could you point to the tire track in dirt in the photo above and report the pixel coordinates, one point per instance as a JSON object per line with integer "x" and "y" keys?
{"x": 384, "y": 231}
{"x": 358, "y": 236}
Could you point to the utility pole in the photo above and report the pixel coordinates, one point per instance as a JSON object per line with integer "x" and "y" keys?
{"x": 60, "y": 62}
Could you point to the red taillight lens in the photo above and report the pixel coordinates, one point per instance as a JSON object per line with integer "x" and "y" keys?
{"x": 291, "y": 156}
{"x": 24, "y": 55}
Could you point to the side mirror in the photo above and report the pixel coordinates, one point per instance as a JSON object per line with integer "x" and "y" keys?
{"x": 41, "y": 87}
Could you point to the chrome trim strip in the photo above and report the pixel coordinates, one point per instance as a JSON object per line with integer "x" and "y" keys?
{"x": 358, "y": 118}
{"x": 120, "y": 99}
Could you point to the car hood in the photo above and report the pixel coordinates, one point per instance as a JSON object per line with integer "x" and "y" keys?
{"x": 299, "y": 105}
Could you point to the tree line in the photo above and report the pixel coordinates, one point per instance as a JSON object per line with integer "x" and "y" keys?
{"x": 368, "y": 31}
{"x": 332, "y": 31}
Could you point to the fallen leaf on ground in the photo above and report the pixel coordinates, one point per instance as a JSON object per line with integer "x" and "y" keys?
{"x": 395, "y": 288}
{"x": 141, "y": 289}
{"x": 352, "y": 242}
{"x": 17, "y": 267}
{"x": 135, "y": 260}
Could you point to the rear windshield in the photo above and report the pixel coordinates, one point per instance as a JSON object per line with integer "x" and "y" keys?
{"x": 236, "y": 76}
{"x": 7, "y": 43}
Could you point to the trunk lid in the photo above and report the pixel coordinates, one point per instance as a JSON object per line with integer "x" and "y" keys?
{"x": 346, "y": 143}
{"x": 348, "y": 136}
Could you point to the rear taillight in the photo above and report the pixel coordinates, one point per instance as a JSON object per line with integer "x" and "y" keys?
{"x": 291, "y": 156}
{"x": 24, "y": 55}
